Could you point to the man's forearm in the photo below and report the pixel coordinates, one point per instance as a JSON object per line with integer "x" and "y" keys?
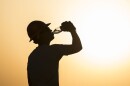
{"x": 76, "y": 43}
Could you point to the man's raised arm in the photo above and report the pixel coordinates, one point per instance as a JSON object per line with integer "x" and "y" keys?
{"x": 76, "y": 45}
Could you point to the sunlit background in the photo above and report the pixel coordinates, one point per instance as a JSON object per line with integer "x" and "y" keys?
{"x": 104, "y": 29}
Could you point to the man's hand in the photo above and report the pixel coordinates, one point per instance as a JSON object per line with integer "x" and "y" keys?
{"x": 67, "y": 26}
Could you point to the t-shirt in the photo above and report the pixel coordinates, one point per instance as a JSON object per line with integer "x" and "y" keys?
{"x": 43, "y": 64}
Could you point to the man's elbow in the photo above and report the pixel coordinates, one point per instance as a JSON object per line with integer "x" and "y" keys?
{"x": 79, "y": 49}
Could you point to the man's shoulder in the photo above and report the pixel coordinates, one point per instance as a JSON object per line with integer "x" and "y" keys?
{"x": 57, "y": 46}
{"x": 54, "y": 45}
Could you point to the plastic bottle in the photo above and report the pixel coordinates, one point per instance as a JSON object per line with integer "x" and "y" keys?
{"x": 57, "y": 30}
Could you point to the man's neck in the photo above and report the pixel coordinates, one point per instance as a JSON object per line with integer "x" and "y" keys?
{"x": 43, "y": 43}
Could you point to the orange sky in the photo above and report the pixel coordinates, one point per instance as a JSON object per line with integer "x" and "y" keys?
{"x": 103, "y": 26}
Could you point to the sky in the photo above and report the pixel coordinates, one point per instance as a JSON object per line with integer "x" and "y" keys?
{"x": 103, "y": 27}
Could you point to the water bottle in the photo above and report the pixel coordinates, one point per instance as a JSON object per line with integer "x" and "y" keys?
{"x": 57, "y": 30}
{"x": 66, "y": 26}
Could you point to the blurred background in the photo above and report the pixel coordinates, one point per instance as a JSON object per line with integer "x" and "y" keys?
{"x": 104, "y": 29}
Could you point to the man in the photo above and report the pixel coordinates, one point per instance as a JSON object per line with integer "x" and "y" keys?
{"x": 43, "y": 62}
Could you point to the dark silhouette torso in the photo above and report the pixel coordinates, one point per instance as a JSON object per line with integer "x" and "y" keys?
{"x": 43, "y": 65}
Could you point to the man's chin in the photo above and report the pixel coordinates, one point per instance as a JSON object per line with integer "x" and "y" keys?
{"x": 52, "y": 38}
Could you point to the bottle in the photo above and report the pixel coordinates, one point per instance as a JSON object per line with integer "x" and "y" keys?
{"x": 57, "y": 30}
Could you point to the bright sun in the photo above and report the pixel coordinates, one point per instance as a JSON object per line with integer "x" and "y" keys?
{"x": 105, "y": 34}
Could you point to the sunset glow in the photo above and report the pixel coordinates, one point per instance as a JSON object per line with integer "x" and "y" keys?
{"x": 103, "y": 27}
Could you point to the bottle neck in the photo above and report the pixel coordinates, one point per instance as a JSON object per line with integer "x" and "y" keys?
{"x": 57, "y": 30}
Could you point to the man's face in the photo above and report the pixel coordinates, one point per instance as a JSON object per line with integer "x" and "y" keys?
{"x": 48, "y": 34}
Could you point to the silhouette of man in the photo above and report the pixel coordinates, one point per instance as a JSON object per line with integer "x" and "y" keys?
{"x": 43, "y": 62}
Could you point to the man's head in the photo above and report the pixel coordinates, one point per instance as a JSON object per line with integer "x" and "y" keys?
{"x": 39, "y": 32}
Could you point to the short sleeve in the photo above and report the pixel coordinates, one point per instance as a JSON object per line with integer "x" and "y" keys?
{"x": 64, "y": 49}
